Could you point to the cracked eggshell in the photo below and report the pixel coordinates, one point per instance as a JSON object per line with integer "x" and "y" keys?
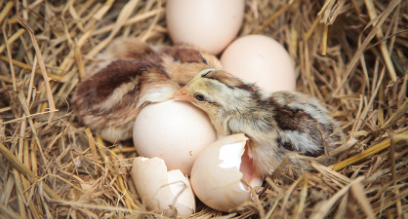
{"x": 160, "y": 189}
{"x": 216, "y": 176}
{"x": 175, "y": 131}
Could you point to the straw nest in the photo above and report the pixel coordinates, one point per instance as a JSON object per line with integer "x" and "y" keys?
{"x": 350, "y": 54}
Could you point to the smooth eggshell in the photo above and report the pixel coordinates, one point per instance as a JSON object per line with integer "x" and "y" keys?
{"x": 159, "y": 189}
{"x": 216, "y": 176}
{"x": 208, "y": 24}
{"x": 262, "y": 60}
{"x": 175, "y": 131}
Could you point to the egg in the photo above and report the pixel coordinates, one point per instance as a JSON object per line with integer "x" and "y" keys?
{"x": 262, "y": 60}
{"x": 208, "y": 24}
{"x": 160, "y": 189}
{"x": 217, "y": 173}
{"x": 175, "y": 131}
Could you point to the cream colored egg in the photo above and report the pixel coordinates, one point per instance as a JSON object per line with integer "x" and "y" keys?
{"x": 208, "y": 24}
{"x": 175, "y": 131}
{"x": 216, "y": 176}
{"x": 262, "y": 60}
{"x": 160, "y": 189}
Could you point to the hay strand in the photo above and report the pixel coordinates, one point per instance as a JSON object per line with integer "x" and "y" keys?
{"x": 8, "y": 212}
{"x": 6, "y": 10}
{"x": 23, "y": 169}
{"x": 13, "y": 38}
{"x": 51, "y": 103}
{"x": 30, "y": 68}
{"x": 325, "y": 208}
{"x": 272, "y": 17}
{"x": 351, "y": 55}
{"x": 367, "y": 153}
{"x": 367, "y": 40}
{"x": 383, "y": 46}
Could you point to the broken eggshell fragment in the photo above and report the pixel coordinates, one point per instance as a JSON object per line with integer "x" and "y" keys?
{"x": 159, "y": 189}
{"x": 217, "y": 173}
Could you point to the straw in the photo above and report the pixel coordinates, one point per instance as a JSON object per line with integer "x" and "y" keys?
{"x": 351, "y": 55}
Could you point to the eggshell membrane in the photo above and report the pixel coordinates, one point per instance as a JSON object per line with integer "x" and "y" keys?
{"x": 159, "y": 189}
{"x": 175, "y": 131}
{"x": 262, "y": 60}
{"x": 216, "y": 176}
{"x": 208, "y": 24}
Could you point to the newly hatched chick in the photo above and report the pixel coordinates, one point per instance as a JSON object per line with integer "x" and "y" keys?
{"x": 276, "y": 123}
{"x": 128, "y": 76}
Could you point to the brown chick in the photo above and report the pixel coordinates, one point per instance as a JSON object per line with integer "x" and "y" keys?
{"x": 128, "y": 76}
{"x": 276, "y": 123}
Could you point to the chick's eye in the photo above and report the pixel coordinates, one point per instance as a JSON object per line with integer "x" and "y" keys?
{"x": 199, "y": 97}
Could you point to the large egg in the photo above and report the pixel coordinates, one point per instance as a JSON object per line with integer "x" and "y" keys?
{"x": 208, "y": 24}
{"x": 218, "y": 172}
{"x": 175, "y": 131}
{"x": 159, "y": 189}
{"x": 262, "y": 60}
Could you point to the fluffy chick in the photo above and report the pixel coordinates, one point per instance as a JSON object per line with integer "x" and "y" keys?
{"x": 277, "y": 123}
{"x": 128, "y": 76}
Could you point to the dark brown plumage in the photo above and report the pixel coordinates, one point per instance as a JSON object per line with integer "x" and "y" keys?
{"x": 129, "y": 75}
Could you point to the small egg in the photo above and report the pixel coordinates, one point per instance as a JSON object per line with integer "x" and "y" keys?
{"x": 175, "y": 131}
{"x": 208, "y": 24}
{"x": 160, "y": 189}
{"x": 217, "y": 173}
{"x": 262, "y": 60}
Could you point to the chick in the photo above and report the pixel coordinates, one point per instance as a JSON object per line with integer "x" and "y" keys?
{"x": 276, "y": 123}
{"x": 128, "y": 76}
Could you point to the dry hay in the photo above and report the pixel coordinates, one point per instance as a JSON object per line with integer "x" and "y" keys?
{"x": 351, "y": 54}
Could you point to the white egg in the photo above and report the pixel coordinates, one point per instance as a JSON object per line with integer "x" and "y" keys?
{"x": 208, "y": 24}
{"x": 175, "y": 131}
{"x": 262, "y": 60}
{"x": 160, "y": 189}
{"x": 217, "y": 173}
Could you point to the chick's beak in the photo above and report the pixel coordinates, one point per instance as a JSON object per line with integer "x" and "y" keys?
{"x": 182, "y": 94}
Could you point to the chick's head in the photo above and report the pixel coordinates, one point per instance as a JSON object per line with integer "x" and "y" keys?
{"x": 217, "y": 92}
